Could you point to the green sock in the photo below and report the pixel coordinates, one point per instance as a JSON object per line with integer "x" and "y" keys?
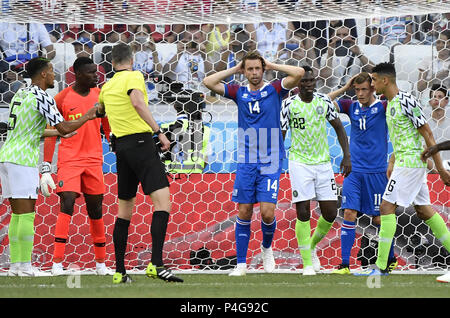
{"x": 440, "y": 230}
{"x": 322, "y": 228}
{"x": 26, "y": 236}
{"x": 13, "y": 236}
{"x": 387, "y": 232}
{"x": 303, "y": 233}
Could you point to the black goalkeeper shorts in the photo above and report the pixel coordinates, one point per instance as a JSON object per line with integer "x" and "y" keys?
{"x": 138, "y": 162}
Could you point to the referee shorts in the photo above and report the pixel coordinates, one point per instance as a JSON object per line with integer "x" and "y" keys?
{"x": 138, "y": 162}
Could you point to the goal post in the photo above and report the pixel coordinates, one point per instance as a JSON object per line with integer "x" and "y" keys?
{"x": 201, "y": 169}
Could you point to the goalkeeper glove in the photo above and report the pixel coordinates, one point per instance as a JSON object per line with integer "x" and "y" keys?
{"x": 46, "y": 179}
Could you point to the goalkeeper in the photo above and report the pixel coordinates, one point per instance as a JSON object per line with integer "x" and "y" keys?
{"x": 30, "y": 109}
{"x": 80, "y": 161}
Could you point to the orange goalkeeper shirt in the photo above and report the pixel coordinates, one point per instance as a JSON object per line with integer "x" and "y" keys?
{"x": 84, "y": 148}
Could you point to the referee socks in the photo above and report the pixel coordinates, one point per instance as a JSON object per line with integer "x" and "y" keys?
{"x": 120, "y": 238}
{"x": 158, "y": 231}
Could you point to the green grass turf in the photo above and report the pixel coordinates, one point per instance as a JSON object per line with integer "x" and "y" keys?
{"x": 222, "y": 286}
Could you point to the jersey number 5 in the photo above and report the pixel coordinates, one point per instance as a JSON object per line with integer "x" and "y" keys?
{"x": 12, "y": 116}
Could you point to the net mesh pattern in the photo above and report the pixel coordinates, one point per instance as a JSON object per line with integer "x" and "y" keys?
{"x": 176, "y": 44}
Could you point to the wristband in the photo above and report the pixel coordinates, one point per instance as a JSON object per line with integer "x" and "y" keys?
{"x": 158, "y": 132}
{"x": 99, "y": 115}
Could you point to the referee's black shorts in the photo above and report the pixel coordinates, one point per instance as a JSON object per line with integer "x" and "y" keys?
{"x": 138, "y": 161}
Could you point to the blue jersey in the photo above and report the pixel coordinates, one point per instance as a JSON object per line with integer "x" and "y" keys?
{"x": 368, "y": 136}
{"x": 259, "y": 132}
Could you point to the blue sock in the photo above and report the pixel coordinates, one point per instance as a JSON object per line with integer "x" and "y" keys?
{"x": 391, "y": 251}
{"x": 268, "y": 230}
{"x": 242, "y": 234}
{"x": 347, "y": 240}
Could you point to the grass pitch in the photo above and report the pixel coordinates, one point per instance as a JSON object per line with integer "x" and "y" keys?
{"x": 222, "y": 286}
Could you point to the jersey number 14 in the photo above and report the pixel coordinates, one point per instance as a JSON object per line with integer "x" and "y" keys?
{"x": 254, "y": 107}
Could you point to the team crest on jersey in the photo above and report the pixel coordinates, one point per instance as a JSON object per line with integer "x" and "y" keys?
{"x": 245, "y": 95}
{"x": 392, "y": 111}
{"x": 357, "y": 111}
{"x": 263, "y": 94}
{"x": 374, "y": 110}
{"x": 319, "y": 110}
{"x": 295, "y": 193}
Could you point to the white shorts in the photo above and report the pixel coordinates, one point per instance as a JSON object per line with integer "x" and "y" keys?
{"x": 407, "y": 186}
{"x": 310, "y": 182}
{"x": 19, "y": 182}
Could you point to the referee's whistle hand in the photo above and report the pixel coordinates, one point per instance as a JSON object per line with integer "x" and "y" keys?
{"x": 165, "y": 143}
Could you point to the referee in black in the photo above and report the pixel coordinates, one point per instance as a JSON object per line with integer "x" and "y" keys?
{"x": 124, "y": 100}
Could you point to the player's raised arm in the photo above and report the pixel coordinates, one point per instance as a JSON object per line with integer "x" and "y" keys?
{"x": 427, "y": 134}
{"x": 66, "y": 127}
{"x": 294, "y": 73}
{"x": 430, "y": 151}
{"x": 214, "y": 81}
{"x": 346, "y": 164}
{"x": 335, "y": 94}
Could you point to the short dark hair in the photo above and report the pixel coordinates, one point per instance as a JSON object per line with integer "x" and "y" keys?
{"x": 80, "y": 62}
{"x": 385, "y": 68}
{"x": 253, "y": 55}
{"x": 121, "y": 53}
{"x": 36, "y": 65}
{"x": 307, "y": 68}
{"x": 439, "y": 87}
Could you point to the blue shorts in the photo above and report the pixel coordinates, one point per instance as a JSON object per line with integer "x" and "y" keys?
{"x": 363, "y": 192}
{"x": 252, "y": 185}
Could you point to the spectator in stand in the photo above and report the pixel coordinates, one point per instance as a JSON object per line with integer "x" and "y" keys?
{"x": 390, "y": 31}
{"x": 54, "y": 30}
{"x": 295, "y": 54}
{"x": 237, "y": 48}
{"x": 316, "y": 34}
{"x": 343, "y": 60}
{"x": 98, "y": 33}
{"x": 439, "y": 121}
{"x": 146, "y": 59}
{"x": 164, "y": 32}
{"x": 19, "y": 43}
{"x": 436, "y": 69}
{"x": 269, "y": 39}
{"x": 188, "y": 64}
{"x": 84, "y": 48}
{"x": 218, "y": 38}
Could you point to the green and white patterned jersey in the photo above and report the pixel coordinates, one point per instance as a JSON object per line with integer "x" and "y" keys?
{"x": 30, "y": 109}
{"x": 308, "y": 124}
{"x": 404, "y": 116}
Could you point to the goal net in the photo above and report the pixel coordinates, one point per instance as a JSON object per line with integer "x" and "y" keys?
{"x": 176, "y": 44}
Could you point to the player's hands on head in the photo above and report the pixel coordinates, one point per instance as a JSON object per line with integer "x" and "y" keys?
{"x": 46, "y": 180}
